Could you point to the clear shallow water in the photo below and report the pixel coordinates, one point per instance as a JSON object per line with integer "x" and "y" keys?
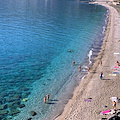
{"x": 35, "y": 37}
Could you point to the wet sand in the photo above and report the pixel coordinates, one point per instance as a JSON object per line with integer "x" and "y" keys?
{"x": 99, "y": 91}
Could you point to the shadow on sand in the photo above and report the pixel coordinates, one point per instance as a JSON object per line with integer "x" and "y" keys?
{"x": 106, "y": 79}
{"x": 53, "y": 100}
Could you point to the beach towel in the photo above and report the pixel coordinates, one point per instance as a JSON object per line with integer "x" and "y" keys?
{"x": 106, "y": 112}
{"x": 116, "y": 72}
{"x": 87, "y": 100}
{"x": 116, "y": 67}
{"x": 112, "y": 111}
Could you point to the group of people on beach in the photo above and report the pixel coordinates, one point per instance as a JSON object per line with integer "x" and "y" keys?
{"x": 101, "y": 76}
{"x": 80, "y": 67}
{"x": 46, "y": 98}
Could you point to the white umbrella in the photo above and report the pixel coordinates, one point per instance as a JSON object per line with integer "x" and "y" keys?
{"x": 114, "y": 99}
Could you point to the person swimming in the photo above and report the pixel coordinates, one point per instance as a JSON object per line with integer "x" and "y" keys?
{"x": 79, "y": 68}
{"x": 73, "y": 62}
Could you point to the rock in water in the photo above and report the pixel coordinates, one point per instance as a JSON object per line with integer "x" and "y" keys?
{"x": 33, "y": 113}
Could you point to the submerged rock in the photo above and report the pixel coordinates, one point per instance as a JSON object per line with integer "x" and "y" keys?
{"x": 3, "y": 112}
{"x": 2, "y": 100}
{"x": 4, "y": 119}
{"x": 10, "y": 118}
{"x": 17, "y": 96}
{"x": 29, "y": 119}
{"x": 21, "y": 105}
{"x": 33, "y": 113}
{"x": 12, "y": 99}
{"x": 24, "y": 89}
{"x": 2, "y": 107}
{"x": 14, "y": 112}
{"x": 25, "y": 94}
{"x": 14, "y": 105}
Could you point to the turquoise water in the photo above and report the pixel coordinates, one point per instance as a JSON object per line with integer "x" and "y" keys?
{"x": 35, "y": 39}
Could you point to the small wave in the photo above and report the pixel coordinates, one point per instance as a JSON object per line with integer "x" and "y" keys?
{"x": 104, "y": 28}
{"x": 89, "y": 55}
{"x": 84, "y": 66}
{"x": 106, "y": 22}
{"x": 84, "y": 70}
{"x": 83, "y": 77}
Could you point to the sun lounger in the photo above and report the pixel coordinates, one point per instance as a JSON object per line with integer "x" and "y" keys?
{"x": 116, "y": 72}
{"x": 112, "y": 74}
{"x": 116, "y": 53}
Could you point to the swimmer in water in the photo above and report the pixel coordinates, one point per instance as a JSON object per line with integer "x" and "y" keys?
{"x": 79, "y": 68}
{"x": 73, "y": 62}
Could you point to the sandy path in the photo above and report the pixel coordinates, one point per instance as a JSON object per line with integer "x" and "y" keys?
{"x": 92, "y": 87}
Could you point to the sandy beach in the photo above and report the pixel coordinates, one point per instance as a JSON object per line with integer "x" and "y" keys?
{"x": 99, "y": 91}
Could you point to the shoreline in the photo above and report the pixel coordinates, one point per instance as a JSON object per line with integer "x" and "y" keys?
{"x": 92, "y": 86}
{"x": 36, "y": 117}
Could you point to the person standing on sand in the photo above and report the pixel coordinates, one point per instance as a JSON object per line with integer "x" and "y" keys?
{"x": 101, "y": 62}
{"x": 44, "y": 99}
{"x": 48, "y": 96}
{"x": 88, "y": 69}
{"x": 101, "y": 75}
{"x": 114, "y": 105}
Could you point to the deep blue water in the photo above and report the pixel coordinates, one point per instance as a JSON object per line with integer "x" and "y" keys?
{"x": 35, "y": 37}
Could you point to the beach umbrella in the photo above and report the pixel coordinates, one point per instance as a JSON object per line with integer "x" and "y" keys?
{"x": 114, "y": 99}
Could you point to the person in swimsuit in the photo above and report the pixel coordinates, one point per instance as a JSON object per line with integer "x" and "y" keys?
{"x": 114, "y": 105}
{"x": 88, "y": 69}
{"x": 73, "y": 62}
{"x": 48, "y": 96}
{"x": 117, "y": 63}
{"x": 101, "y": 75}
{"x": 101, "y": 62}
{"x": 44, "y": 99}
{"x": 79, "y": 68}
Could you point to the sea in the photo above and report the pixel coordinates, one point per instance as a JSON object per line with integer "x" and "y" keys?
{"x": 39, "y": 40}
